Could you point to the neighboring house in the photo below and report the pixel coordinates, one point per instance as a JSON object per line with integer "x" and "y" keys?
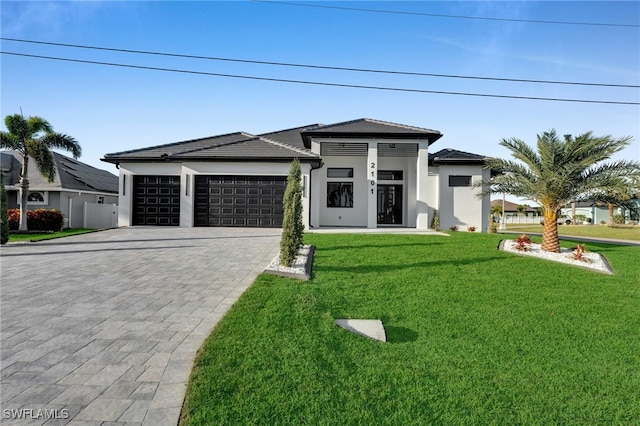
{"x": 360, "y": 173}
{"x": 599, "y": 213}
{"x": 511, "y": 209}
{"x": 75, "y": 183}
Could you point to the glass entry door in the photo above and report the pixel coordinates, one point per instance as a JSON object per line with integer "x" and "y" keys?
{"x": 389, "y": 204}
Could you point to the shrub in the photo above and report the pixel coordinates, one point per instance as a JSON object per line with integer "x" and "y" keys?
{"x": 453, "y": 228}
{"x": 292, "y": 226}
{"x": 493, "y": 228}
{"x": 618, "y": 219}
{"x": 435, "y": 220}
{"x": 37, "y": 220}
{"x": 523, "y": 243}
{"x": 578, "y": 253}
{"x": 471, "y": 228}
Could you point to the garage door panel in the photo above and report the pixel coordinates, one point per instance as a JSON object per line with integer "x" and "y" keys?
{"x": 239, "y": 201}
{"x": 157, "y": 200}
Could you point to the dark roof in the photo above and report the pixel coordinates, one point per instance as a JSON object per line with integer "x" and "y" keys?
{"x": 71, "y": 174}
{"x": 370, "y": 128}
{"x": 453, "y": 156}
{"x": 281, "y": 145}
{"x": 291, "y": 137}
{"x": 511, "y": 207}
{"x": 233, "y": 146}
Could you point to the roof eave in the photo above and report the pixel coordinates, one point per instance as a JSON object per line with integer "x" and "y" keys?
{"x": 430, "y": 137}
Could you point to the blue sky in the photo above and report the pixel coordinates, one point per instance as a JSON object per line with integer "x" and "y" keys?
{"x": 109, "y": 109}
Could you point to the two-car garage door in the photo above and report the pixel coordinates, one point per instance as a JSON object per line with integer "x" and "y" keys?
{"x": 239, "y": 201}
{"x": 243, "y": 201}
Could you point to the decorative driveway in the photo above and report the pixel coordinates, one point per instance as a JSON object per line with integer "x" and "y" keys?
{"x": 103, "y": 328}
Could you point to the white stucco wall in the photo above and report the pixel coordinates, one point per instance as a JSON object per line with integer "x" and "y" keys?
{"x": 460, "y": 206}
{"x": 343, "y": 216}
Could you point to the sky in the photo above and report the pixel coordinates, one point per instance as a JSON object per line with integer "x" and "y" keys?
{"x": 110, "y": 109}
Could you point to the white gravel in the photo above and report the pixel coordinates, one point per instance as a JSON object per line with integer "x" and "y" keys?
{"x": 595, "y": 260}
{"x": 298, "y": 267}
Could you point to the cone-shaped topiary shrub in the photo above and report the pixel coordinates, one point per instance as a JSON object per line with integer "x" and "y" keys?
{"x": 292, "y": 226}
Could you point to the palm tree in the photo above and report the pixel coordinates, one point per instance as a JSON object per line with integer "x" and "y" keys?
{"x": 561, "y": 171}
{"x": 34, "y": 138}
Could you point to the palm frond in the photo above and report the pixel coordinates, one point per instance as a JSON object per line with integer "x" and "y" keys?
{"x": 9, "y": 141}
{"x": 61, "y": 141}
{"x": 44, "y": 160}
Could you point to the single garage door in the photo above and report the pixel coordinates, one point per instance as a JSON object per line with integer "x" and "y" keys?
{"x": 239, "y": 201}
{"x": 156, "y": 200}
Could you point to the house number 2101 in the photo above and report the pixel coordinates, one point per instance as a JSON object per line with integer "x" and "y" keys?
{"x": 373, "y": 176}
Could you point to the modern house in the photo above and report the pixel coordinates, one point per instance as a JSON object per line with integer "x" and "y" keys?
{"x": 75, "y": 184}
{"x": 360, "y": 173}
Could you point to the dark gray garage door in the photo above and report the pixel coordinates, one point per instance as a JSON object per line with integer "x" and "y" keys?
{"x": 156, "y": 200}
{"x": 239, "y": 200}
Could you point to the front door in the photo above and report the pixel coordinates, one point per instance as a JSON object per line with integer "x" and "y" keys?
{"x": 389, "y": 204}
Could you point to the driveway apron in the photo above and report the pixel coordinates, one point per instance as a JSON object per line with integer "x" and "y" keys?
{"x": 103, "y": 328}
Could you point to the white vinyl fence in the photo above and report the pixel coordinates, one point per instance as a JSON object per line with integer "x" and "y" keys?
{"x": 100, "y": 216}
{"x": 510, "y": 219}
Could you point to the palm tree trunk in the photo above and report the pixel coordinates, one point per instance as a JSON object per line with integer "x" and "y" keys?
{"x": 24, "y": 193}
{"x": 550, "y": 240}
{"x": 610, "y": 206}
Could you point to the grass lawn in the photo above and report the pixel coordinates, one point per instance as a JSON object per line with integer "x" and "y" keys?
{"x": 475, "y": 336}
{"x": 597, "y": 231}
{"x": 47, "y": 235}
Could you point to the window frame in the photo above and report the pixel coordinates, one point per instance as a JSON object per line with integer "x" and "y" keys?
{"x": 344, "y": 201}
{"x": 466, "y": 184}
{"x": 43, "y": 194}
{"x": 338, "y": 175}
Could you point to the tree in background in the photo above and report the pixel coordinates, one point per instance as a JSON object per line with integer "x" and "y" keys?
{"x": 34, "y": 138}
{"x": 559, "y": 172}
{"x": 4, "y": 217}
{"x": 620, "y": 196}
{"x": 292, "y": 226}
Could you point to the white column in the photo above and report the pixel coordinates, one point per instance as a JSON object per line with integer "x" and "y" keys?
{"x": 372, "y": 186}
{"x": 187, "y": 186}
{"x": 422, "y": 207}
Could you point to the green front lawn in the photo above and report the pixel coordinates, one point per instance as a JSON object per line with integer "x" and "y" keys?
{"x": 475, "y": 336}
{"x": 39, "y": 236}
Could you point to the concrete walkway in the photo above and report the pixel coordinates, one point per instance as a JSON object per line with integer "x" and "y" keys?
{"x": 103, "y": 328}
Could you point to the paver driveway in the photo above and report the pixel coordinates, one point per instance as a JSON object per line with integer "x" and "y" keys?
{"x": 104, "y": 327}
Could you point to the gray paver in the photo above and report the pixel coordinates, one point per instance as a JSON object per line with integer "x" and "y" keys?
{"x": 108, "y": 324}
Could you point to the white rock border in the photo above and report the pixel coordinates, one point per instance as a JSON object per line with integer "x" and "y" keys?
{"x": 301, "y": 268}
{"x": 596, "y": 261}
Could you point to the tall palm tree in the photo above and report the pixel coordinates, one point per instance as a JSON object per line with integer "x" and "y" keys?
{"x": 34, "y": 138}
{"x": 561, "y": 171}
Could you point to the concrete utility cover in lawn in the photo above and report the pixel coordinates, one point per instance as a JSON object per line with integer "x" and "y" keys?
{"x": 368, "y": 328}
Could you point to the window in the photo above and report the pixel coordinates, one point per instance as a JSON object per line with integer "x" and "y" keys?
{"x": 334, "y": 172}
{"x": 100, "y": 199}
{"x": 37, "y": 197}
{"x": 459, "y": 180}
{"x": 390, "y": 175}
{"x": 339, "y": 194}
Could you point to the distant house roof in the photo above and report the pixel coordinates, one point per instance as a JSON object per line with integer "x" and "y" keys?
{"x": 511, "y": 207}
{"x": 230, "y": 147}
{"x": 70, "y": 174}
{"x": 369, "y": 128}
{"x": 453, "y": 156}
